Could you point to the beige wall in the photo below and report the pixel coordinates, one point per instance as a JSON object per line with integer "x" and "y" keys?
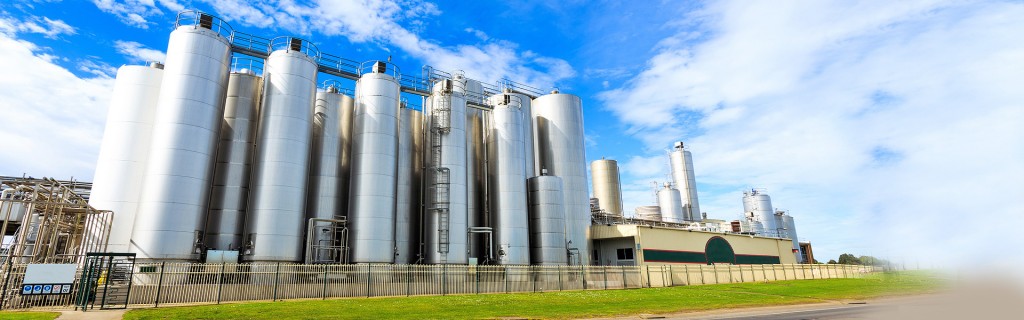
{"x": 690, "y": 241}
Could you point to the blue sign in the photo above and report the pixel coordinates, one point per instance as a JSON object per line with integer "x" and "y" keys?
{"x": 42, "y": 289}
{"x": 27, "y": 289}
{"x": 37, "y": 289}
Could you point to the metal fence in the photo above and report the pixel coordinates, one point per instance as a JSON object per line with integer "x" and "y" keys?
{"x": 160, "y": 284}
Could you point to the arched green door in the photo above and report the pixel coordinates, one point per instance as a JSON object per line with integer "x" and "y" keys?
{"x": 718, "y": 250}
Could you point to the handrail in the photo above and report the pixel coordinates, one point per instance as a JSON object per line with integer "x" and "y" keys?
{"x": 294, "y": 44}
{"x": 332, "y": 83}
{"x": 367, "y": 67}
{"x": 239, "y": 64}
{"x": 199, "y": 19}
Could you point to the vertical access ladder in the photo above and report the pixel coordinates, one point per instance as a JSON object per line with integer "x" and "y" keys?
{"x": 440, "y": 126}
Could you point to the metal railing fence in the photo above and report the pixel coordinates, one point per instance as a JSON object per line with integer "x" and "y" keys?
{"x": 159, "y": 284}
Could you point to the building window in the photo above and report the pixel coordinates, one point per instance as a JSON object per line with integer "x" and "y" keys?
{"x": 624, "y": 254}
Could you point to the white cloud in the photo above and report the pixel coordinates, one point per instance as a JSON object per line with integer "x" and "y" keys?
{"x": 136, "y": 12}
{"x": 138, "y": 52}
{"x": 478, "y": 34}
{"x": 42, "y": 25}
{"x": 887, "y": 128}
{"x": 52, "y": 120}
{"x": 382, "y": 21}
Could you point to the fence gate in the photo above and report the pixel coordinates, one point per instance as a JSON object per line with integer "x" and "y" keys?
{"x": 106, "y": 281}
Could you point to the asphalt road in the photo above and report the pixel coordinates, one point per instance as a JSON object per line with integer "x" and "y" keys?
{"x": 824, "y": 313}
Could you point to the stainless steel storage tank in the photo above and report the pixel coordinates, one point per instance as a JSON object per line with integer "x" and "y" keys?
{"x": 230, "y": 193}
{"x": 790, "y": 232}
{"x": 410, "y": 172}
{"x": 547, "y": 221}
{"x": 324, "y": 188}
{"x": 560, "y": 144}
{"x": 648, "y": 213}
{"x": 276, "y": 224}
{"x": 506, "y": 172}
{"x": 607, "y": 189}
{"x": 175, "y": 192}
{"x": 526, "y": 105}
{"x": 759, "y": 206}
{"x": 374, "y": 165}
{"x": 476, "y": 205}
{"x": 670, "y": 204}
{"x": 125, "y": 149}
{"x": 683, "y": 177}
{"x": 447, "y": 208}
{"x": 348, "y": 107}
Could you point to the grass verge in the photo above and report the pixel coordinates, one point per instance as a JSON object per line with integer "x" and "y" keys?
{"x": 570, "y": 304}
{"x": 28, "y": 315}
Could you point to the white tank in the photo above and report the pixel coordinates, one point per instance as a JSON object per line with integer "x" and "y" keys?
{"x": 670, "y": 204}
{"x": 446, "y": 157}
{"x": 684, "y": 179}
{"x": 230, "y": 193}
{"x": 558, "y": 118}
{"x": 787, "y": 221}
{"x": 477, "y": 124}
{"x": 175, "y": 192}
{"x": 373, "y": 186}
{"x": 652, "y": 213}
{"x": 547, "y": 221}
{"x": 125, "y": 149}
{"x": 324, "y": 191}
{"x": 607, "y": 190}
{"x": 758, "y": 205}
{"x": 526, "y": 104}
{"x": 276, "y": 225}
{"x": 410, "y": 172}
{"x": 507, "y": 180}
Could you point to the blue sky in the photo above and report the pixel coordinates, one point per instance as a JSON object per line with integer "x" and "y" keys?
{"x": 891, "y": 128}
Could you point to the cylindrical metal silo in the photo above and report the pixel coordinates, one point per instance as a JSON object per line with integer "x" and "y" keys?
{"x": 670, "y": 204}
{"x": 324, "y": 185}
{"x": 347, "y": 116}
{"x": 476, "y": 132}
{"x": 607, "y": 189}
{"x": 560, "y": 144}
{"x": 547, "y": 221}
{"x": 276, "y": 223}
{"x": 410, "y": 172}
{"x": 125, "y": 149}
{"x": 230, "y": 193}
{"x": 790, "y": 225}
{"x": 652, "y": 213}
{"x": 526, "y": 105}
{"x": 759, "y": 205}
{"x": 683, "y": 177}
{"x": 506, "y": 171}
{"x": 447, "y": 208}
{"x": 374, "y": 166}
{"x": 175, "y": 192}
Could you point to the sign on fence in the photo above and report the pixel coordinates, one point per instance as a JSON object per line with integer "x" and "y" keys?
{"x": 44, "y": 279}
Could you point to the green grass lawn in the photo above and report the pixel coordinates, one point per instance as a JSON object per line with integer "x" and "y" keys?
{"x": 570, "y": 304}
{"x": 28, "y": 315}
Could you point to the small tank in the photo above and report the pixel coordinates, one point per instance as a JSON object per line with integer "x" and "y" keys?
{"x": 670, "y": 204}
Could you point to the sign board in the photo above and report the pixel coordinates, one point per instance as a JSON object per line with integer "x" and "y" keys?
{"x": 44, "y": 279}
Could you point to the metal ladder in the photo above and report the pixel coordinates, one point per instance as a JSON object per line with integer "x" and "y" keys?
{"x": 441, "y": 180}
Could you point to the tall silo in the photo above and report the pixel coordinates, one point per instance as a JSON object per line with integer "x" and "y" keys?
{"x": 447, "y": 209}
{"x": 230, "y": 193}
{"x": 526, "y": 105}
{"x": 684, "y": 179}
{"x": 671, "y": 204}
{"x": 560, "y": 144}
{"x": 175, "y": 192}
{"x": 477, "y": 125}
{"x": 323, "y": 193}
{"x": 373, "y": 186}
{"x": 410, "y": 172}
{"x": 276, "y": 224}
{"x": 547, "y": 221}
{"x": 652, "y": 213}
{"x": 125, "y": 149}
{"x": 506, "y": 176}
{"x": 347, "y": 116}
{"x": 759, "y": 205}
{"x": 608, "y": 191}
{"x": 790, "y": 232}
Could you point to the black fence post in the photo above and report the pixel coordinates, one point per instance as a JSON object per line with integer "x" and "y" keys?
{"x": 159, "y": 284}
{"x": 324, "y": 294}
{"x": 220, "y": 281}
{"x": 277, "y": 279}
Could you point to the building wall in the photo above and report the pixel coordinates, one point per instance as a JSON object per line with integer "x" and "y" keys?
{"x": 660, "y": 246}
